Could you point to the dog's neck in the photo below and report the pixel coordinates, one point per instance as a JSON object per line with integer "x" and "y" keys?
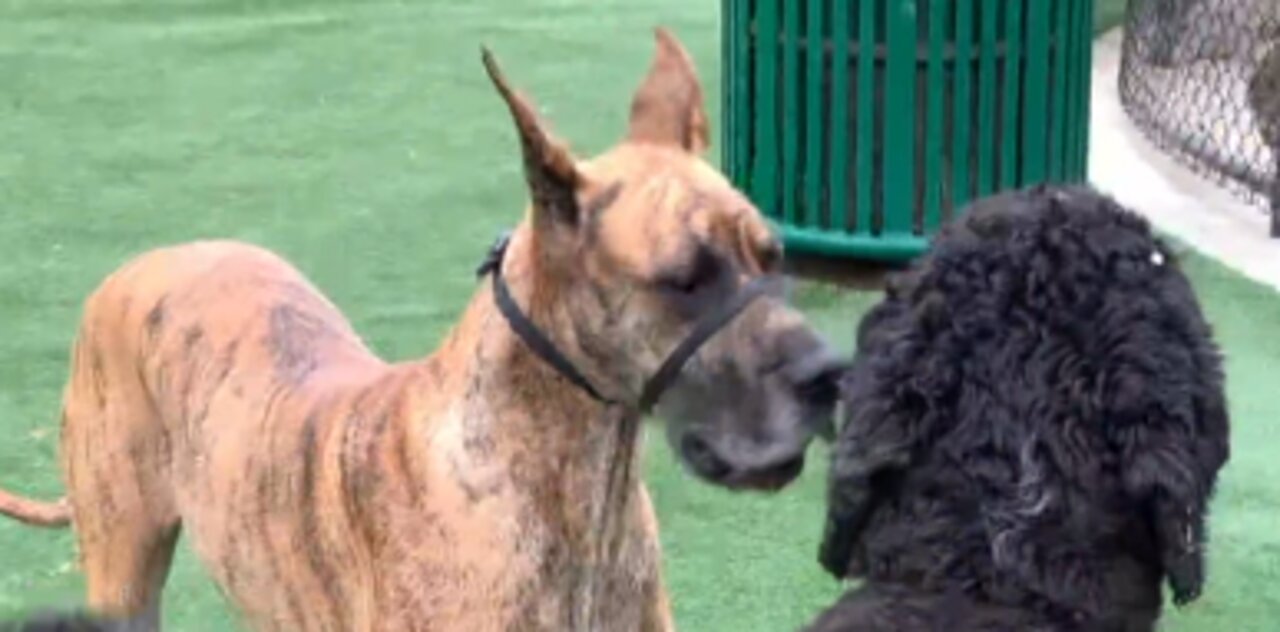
{"x": 533, "y": 399}
{"x": 574, "y": 458}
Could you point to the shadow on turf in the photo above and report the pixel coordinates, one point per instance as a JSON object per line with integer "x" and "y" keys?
{"x": 846, "y": 273}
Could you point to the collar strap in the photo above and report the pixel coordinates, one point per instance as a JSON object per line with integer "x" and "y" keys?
{"x": 703, "y": 330}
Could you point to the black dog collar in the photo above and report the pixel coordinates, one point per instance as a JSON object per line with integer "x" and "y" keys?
{"x": 703, "y": 330}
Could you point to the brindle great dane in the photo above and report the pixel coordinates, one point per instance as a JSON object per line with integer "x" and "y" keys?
{"x": 490, "y": 486}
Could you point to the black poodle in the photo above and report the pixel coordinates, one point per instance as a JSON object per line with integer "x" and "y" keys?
{"x": 69, "y": 621}
{"x": 1034, "y": 426}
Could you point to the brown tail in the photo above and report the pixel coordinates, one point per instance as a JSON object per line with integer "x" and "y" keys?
{"x": 55, "y": 515}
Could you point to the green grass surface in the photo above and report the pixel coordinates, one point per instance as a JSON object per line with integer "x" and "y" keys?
{"x": 363, "y": 142}
{"x": 1107, "y": 14}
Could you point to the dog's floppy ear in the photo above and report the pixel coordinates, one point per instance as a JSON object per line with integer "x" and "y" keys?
{"x": 1163, "y": 476}
{"x": 550, "y": 169}
{"x": 668, "y": 107}
{"x": 887, "y": 420}
{"x": 1173, "y": 474}
{"x": 1172, "y": 460}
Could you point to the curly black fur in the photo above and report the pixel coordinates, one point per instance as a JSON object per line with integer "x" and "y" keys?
{"x": 1034, "y": 426}
{"x": 69, "y": 621}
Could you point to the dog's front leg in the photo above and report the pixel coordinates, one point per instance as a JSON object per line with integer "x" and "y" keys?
{"x": 657, "y": 616}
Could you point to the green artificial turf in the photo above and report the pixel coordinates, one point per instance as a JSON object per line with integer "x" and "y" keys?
{"x": 1108, "y": 14}
{"x": 362, "y": 141}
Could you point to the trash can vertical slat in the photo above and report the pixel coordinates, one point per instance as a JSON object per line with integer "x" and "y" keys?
{"x": 962, "y": 147}
{"x": 899, "y": 130}
{"x": 1035, "y": 127}
{"x": 838, "y": 180}
{"x": 866, "y": 164}
{"x": 743, "y": 91}
{"x": 1061, "y": 90}
{"x": 988, "y": 16}
{"x": 1073, "y": 110}
{"x": 751, "y": 109}
{"x": 815, "y": 75}
{"x": 1082, "y": 90}
{"x": 1011, "y": 107}
{"x": 728, "y": 61}
{"x": 764, "y": 174}
{"x": 934, "y": 181}
{"x": 790, "y": 109}
{"x": 738, "y": 69}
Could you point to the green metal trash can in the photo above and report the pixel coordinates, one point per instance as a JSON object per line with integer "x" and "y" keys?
{"x": 860, "y": 125}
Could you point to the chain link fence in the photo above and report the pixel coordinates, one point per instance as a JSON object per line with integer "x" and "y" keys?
{"x": 1201, "y": 78}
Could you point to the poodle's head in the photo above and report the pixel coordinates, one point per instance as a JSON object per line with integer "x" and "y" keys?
{"x": 1051, "y": 352}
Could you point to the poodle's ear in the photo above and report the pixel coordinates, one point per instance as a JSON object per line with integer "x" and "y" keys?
{"x": 1167, "y": 421}
{"x": 1164, "y": 477}
{"x": 886, "y": 419}
{"x": 1171, "y": 467}
{"x": 861, "y": 473}
{"x": 864, "y": 465}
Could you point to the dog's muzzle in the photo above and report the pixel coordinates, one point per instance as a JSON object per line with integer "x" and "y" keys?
{"x": 663, "y": 378}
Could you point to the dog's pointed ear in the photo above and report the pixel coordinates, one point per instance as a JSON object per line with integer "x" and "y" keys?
{"x": 668, "y": 108}
{"x": 549, "y": 167}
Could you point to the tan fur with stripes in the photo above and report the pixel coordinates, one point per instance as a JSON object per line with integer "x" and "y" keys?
{"x": 214, "y": 392}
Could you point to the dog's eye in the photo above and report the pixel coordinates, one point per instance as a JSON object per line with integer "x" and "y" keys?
{"x": 679, "y": 285}
{"x": 687, "y": 280}
{"x": 684, "y": 284}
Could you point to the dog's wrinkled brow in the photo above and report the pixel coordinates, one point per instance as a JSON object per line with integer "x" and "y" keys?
{"x": 595, "y": 206}
{"x": 598, "y": 203}
{"x": 697, "y": 261}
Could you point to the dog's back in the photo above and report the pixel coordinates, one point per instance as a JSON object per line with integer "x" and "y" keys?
{"x": 1035, "y": 418}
